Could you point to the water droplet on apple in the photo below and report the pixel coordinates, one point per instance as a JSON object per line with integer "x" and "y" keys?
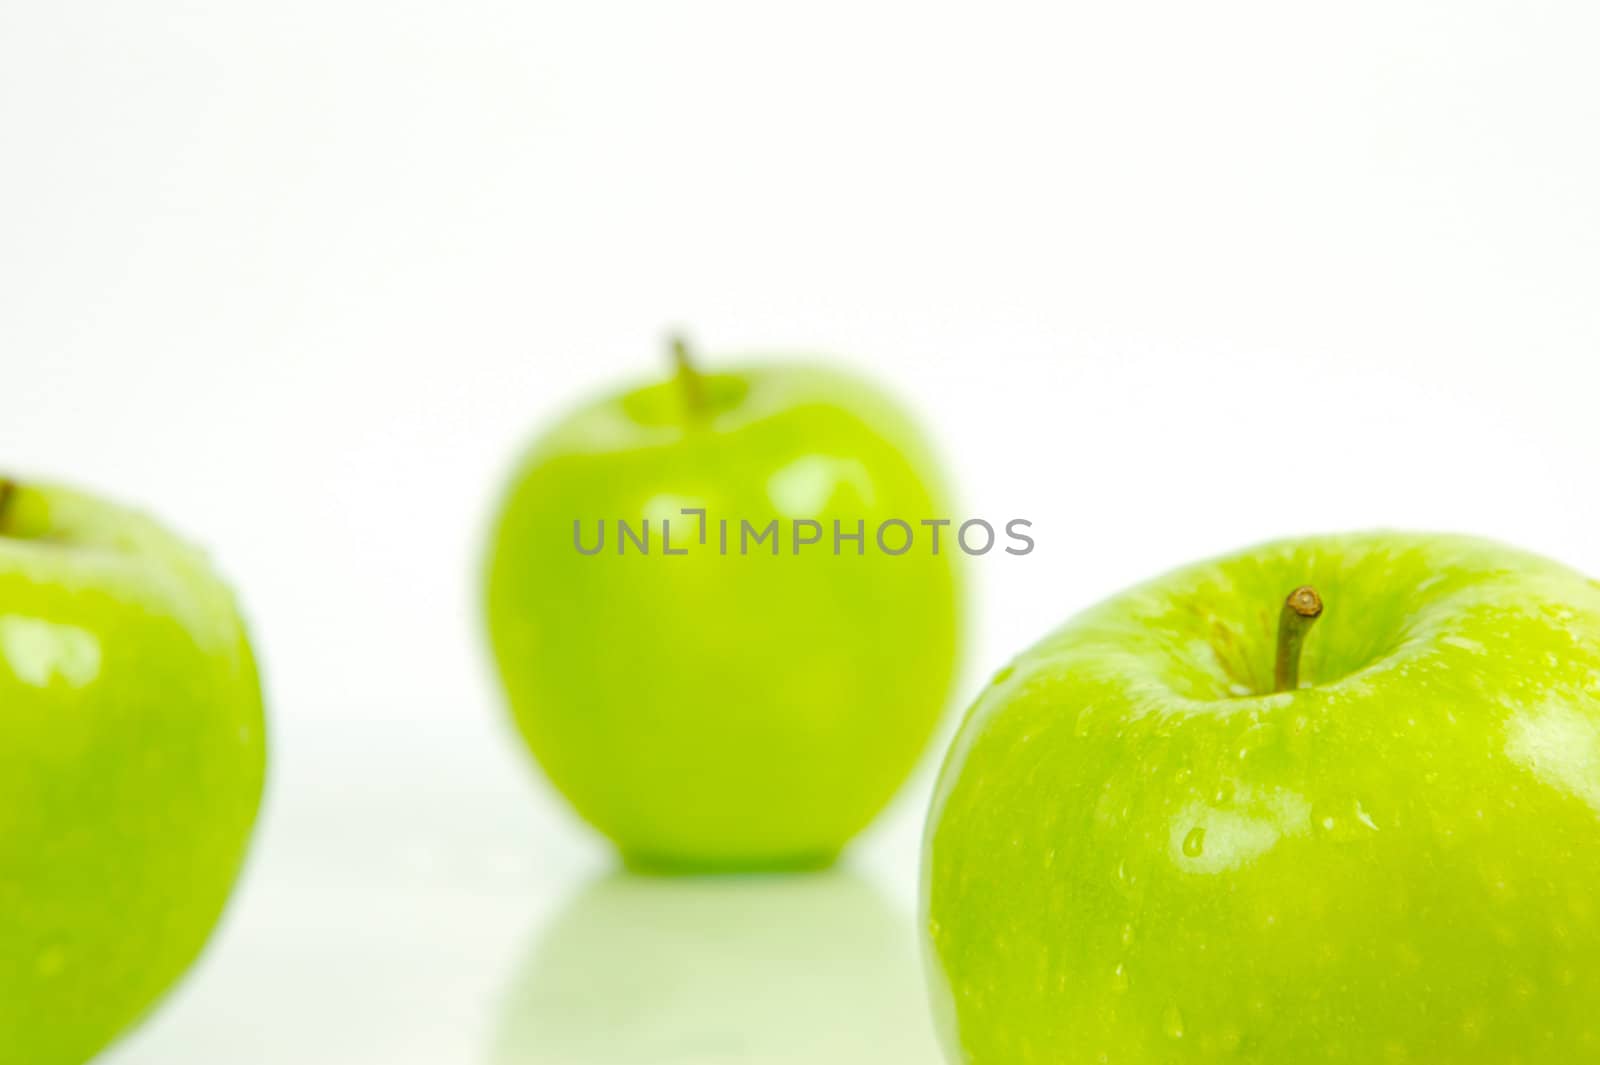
{"x": 1127, "y": 934}
{"x": 1346, "y": 821}
{"x": 1119, "y": 978}
{"x": 1224, "y": 793}
{"x": 1194, "y": 844}
{"x": 1364, "y": 817}
{"x": 1172, "y": 1022}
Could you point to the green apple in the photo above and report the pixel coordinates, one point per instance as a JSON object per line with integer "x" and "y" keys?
{"x": 131, "y": 761}
{"x": 1152, "y": 843}
{"x": 725, "y": 701}
{"x": 816, "y": 969}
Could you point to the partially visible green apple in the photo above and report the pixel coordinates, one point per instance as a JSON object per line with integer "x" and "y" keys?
{"x": 131, "y": 762}
{"x": 746, "y": 707}
{"x": 1142, "y": 852}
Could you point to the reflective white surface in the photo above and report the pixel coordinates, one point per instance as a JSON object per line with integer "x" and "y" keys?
{"x": 791, "y": 970}
{"x": 417, "y": 903}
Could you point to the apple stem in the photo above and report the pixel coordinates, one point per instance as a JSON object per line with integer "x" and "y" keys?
{"x": 1300, "y": 611}
{"x": 8, "y": 492}
{"x": 689, "y": 379}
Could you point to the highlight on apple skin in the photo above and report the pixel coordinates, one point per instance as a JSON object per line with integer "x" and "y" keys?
{"x": 724, "y": 709}
{"x": 132, "y": 753}
{"x": 1141, "y": 851}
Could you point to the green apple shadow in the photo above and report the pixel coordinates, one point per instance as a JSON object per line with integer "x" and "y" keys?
{"x": 776, "y": 969}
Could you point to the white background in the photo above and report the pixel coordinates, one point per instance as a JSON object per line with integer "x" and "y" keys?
{"x": 1164, "y": 277}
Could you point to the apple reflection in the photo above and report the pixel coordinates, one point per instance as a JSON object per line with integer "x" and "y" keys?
{"x": 656, "y": 971}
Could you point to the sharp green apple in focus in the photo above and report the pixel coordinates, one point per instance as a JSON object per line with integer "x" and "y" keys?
{"x": 131, "y": 763}
{"x": 725, "y": 709}
{"x": 1142, "y": 851}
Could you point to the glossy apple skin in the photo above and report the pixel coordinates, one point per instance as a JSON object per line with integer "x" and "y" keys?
{"x": 131, "y": 762}
{"x": 1133, "y": 858}
{"x": 712, "y": 711}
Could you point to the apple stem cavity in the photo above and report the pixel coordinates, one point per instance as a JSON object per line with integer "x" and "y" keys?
{"x": 8, "y": 493}
{"x": 1300, "y": 611}
{"x": 689, "y": 379}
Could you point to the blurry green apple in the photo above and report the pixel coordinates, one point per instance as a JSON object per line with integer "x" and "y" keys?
{"x": 1153, "y": 843}
{"x": 131, "y": 760}
{"x": 738, "y": 706}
